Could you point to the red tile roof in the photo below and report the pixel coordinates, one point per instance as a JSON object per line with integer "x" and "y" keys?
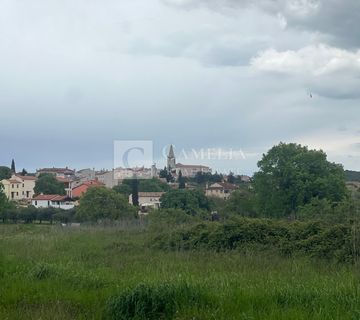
{"x": 27, "y": 177}
{"x": 223, "y": 185}
{"x": 50, "y": 197}
{"x": 90, "y": 183}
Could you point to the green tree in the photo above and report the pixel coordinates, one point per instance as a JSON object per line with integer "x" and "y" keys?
{"x": 181, "y": 181}
{"x": 101, "y": 203}
{"x": 202, "y": 177}
{"x": 24, "y": 172}
{"x": 5, "y": 173}
{"x": 123, "y": 188}
{"x": 144, "y": 185}
{"x": 152, "y": 185}
{"x": 47, "y": 184}
{"x": 242, "y": 202}
{"x": 27, "y": 214}
{"x": 13, "y": 169}
{"x": 46, "y": 214}
{"x": 135, "y": 191}
{"x": 165, "y": 174}
{"x": 231, "y": 178}
{"x": 3, "y": 201}
{"x": 291, "y": 175}
{"x": 191, "y": 201}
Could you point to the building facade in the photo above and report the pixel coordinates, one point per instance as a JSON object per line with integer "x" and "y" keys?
{"x": 221, "y": 190}
{"x": 58, "y": 172}
{"x": 19, "y": 187}
{"x": 53, "y": 201}
{"x": 148, "y": 200}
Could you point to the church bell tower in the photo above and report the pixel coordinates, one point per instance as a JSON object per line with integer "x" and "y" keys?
{"x": 171, "y": 161}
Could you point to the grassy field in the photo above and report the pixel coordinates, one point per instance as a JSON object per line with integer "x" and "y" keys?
{"x": 49, "y": 272}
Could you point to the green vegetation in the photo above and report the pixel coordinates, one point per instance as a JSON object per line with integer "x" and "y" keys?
{"x": 191, "y": 201}
{"x": 165, "y": 174}
{"x": 4, "y": 204}
{"x": 144, "y": 185}
{"x": 291, "y": 175}
{"x": 13, "y": 169}
{"x": 47, "y": 184}
{"x": 48, "y": 272}
{"x": 352, "y": 175}
{"x": 285, "y": 246}
{"x": 99, "y": 203}
{"x": 181, "y": 181}
{"x": 5, "y": 173}
{"x": 314, "y": 239}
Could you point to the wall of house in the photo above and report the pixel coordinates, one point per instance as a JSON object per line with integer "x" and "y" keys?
{"x": 219, "y": 193}
{"x": 54, "y": 204}
{"x": 22, "y": 189}
{"x": 41, "y": 203}
{"x": 29, "y": 186}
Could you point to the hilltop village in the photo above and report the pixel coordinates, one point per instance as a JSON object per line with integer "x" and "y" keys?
{"x": 62, "y": 188}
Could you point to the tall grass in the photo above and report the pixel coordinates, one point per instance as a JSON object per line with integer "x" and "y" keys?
{"x": 48, "y": 272}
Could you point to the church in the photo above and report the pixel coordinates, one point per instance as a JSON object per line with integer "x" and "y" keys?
{"x": 187, "y": 170}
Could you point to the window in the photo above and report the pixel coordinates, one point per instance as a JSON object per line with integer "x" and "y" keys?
{"x": 35, "y": 202}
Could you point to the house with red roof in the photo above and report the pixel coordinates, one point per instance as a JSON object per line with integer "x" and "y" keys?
{"x": 79, "y": 190}
{"x": 53, "y": 201}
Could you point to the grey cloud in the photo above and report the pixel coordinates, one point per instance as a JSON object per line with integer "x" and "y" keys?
{"x": 83, "y": 82}
{"x": 337, "y": 21}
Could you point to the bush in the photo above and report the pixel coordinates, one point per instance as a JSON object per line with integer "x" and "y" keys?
{"x": 191, "y": 201}
{"x": 314, "y": 239}
{"x": 153, "y": 302}
{"x": 158, "y": 219}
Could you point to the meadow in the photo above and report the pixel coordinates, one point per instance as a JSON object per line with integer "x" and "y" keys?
{"x": 54, "y": 272}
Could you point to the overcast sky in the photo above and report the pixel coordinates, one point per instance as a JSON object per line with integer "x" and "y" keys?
{"x": 75, "y": 75}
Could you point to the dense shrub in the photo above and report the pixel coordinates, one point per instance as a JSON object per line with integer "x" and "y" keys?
{"x": 170, "y": 218}
{"x": 191, "y": 201}
{"x": 99, "y": 203}
{"x": 153, "y": 302}
{"x": 310, "y": 238}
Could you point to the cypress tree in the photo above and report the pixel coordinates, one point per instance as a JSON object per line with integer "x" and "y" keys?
{"x": 181, "y": 181}
{"x": 135, "y": 191}
{"x": 13, "y": 170}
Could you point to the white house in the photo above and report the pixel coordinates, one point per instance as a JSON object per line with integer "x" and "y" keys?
{"x": 220, "y": 190}
{"x": 148, "y": 200}
{"x": 53, "y": 201}
{"x": 190, "y": 170}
